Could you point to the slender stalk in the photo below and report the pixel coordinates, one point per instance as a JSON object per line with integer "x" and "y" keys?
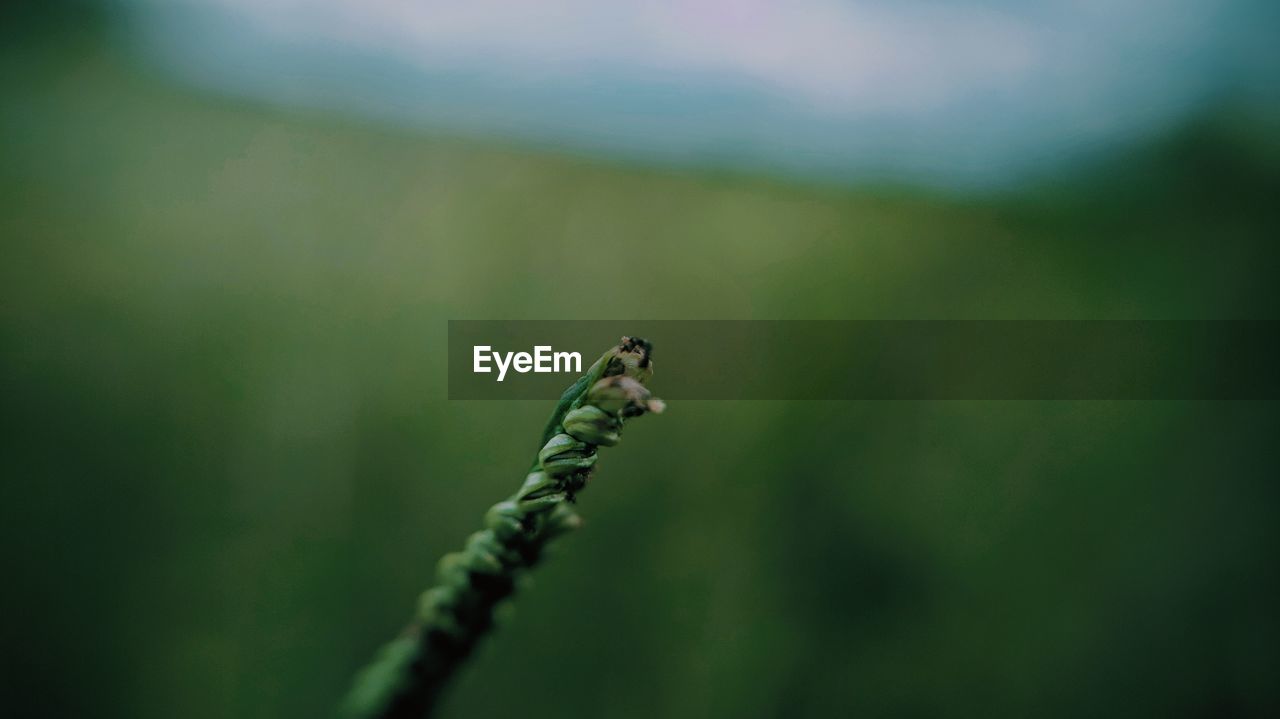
{"x": 407, "y": 676}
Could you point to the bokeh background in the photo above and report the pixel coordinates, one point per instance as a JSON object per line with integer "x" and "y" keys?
{"x": 233, "y": 234}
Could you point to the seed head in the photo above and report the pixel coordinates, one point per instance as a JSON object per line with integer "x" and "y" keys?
{"x": 633, "y": 359}
{"x": 592, "y": 425}
{"x": 623, "y": 395}
{"x": 563, "y": 455}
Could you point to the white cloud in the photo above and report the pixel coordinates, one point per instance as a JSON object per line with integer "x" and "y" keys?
{"x": 967, "y": 90}
{"x": 832, "y": 56}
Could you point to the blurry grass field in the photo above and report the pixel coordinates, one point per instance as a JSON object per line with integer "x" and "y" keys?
{"x": 230, "y": 464}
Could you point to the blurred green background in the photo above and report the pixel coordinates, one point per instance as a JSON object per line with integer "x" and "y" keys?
{"x": 230, "y": 466}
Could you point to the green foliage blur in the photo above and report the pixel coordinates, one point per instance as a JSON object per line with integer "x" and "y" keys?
{"x": 229, "y": 465}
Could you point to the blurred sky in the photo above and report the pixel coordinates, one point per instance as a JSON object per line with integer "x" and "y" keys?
{"x": 976, "y": 92}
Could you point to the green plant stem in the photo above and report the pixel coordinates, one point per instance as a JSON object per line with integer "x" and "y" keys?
{"x": 408, "y": 675}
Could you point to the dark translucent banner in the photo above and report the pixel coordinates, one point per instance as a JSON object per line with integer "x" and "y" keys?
{"x": 812, "y": 359}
